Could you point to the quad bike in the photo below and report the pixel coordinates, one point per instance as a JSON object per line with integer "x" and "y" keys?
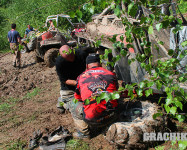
{"x": 48, "y": 43}
{"x": 47, "y": 47}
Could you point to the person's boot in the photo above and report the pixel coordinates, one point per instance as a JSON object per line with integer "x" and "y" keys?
{"x": 65, "y": 97}
{"x": 80, "y": 135}
{"x": 60, "y": 105}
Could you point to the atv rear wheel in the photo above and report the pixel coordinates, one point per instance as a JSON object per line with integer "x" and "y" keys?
{"x": 50, "y": 57}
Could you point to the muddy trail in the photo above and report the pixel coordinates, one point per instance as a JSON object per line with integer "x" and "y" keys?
{"x": 28, "y": 102}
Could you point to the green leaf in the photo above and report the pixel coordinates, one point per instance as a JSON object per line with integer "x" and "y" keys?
{"x": 105, "y": 96}
{"x": 157, "y": 115}
{"x": 150, "y": 84}
{"x": 170, "y": 52}
{"x": 148, "y": 92}
{"x": 130, "y": 7}
{"x": 152, "y": 16}
{"x": 121, "y": 88}
{"x": 92, "y": 9}
{"x": 117, "y": 11}
{"x": 179, "y": 104}
{"x": 168, "y": 101}
{"x": 143, "y": 19}
{"x": 150, "y": 30}
{"x": 179, "y": 21}
{"x": 184, "y": 43}
{"x": 173, "y": 110}
{"x": 112, "y": 6}
{"x": 72, "y": 14}
{"x": 98, "y": 100}
{"x": 79, "y": 14}
{"x": 142, "y": 84}
{"x": 115, "y": 96}
{"x": 181, "y": 118}
{"x": 167, "y": 108}
{"x": 159, "y": 26}
{"x": 182, "y": 145}
{"x": 75, "y": 100}
{"x": 158, "y": 85}
{"x": 139, "y": 92}
{"x": 87, "y": 102}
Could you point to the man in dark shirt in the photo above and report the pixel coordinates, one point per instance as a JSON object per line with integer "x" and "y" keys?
{"x": 69, "y": 65}
{"x": 14, "y": 40}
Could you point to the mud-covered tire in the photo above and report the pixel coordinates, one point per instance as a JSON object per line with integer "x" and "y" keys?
{"x": 50, "y": 57}
{"x": 129, "y": 134}
{"x": 37, "y": 58}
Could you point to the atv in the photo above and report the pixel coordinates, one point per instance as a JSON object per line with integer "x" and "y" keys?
{"x": 48, "y": 45}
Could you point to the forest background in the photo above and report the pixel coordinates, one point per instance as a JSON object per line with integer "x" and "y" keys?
{"x": 35, "y": 12}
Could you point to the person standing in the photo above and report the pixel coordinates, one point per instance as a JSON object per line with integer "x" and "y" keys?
{"x": 29, "y": 29}
{"x": 14, "y": 40}
{"x": 51, "y": 27}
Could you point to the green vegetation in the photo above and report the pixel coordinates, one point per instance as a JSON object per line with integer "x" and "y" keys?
{"x": 33, "y": 12}
{"x": 182, "y": 4}
{"x": 17, "y": 145}
{"x": 7, "y": 104}
{"x": 33, "y": 93}
{"x": 77, "y": 144}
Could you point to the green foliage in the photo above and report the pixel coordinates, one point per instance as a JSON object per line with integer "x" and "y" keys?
{"x": 35, "y": 12}
{"x": 33, "y": 93}
{"x": 77, "y": 144}
{"x": 17, "y": 145}
{"x": 7, "y": 104}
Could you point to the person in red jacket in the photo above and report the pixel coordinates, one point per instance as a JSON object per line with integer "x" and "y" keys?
{"x": 94, "y": 81}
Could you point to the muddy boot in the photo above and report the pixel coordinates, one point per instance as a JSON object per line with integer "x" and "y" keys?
{"x": 34, "y": 141}
{"x": 80, "y": 135}
{"x": 65, "y": 97}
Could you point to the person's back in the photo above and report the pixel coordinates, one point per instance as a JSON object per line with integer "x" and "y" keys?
{"x": 14, "y": 40}
{"x": 94, "y": 81}
{"x": 13, "y": 36}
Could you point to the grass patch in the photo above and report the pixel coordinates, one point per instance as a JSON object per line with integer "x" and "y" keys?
{"x": 7, "y": 104}
{"x": 32, "y": 94}
{"x": 5, "y": 51}
{"x": 17, "y": 145}
{"x": 77, "y": 144}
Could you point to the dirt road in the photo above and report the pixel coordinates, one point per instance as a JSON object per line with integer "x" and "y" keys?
{"x": 28, "y": 102}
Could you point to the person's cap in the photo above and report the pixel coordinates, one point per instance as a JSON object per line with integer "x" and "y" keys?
{"x": 92, "y": 58}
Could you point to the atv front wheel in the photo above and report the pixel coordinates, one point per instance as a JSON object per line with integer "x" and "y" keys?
{"x": 134, "y": 122}
{"x": 50, "y": 57}
{"x": 37, "y": 58}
